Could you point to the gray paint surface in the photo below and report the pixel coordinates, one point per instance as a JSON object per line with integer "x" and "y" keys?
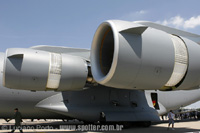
{"x": 87, "y": 104}
{"x": 118, "y": 104}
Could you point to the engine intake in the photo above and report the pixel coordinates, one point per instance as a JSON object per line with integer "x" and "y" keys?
{"x": 129, "y": 55}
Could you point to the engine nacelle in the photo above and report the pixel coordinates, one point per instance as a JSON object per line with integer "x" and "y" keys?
{"x": 29, "y": 69}
{"x": 129, "y": 55}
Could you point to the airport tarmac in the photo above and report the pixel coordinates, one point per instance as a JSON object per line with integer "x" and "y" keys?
{"x": 55, "y": 126}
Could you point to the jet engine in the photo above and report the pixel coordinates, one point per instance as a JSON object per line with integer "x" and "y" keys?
{"x": 30, "y": 69}
{"x": 131, "y": 55}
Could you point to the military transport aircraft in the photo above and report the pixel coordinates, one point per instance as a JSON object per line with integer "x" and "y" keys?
{"x": 134, "y": 72}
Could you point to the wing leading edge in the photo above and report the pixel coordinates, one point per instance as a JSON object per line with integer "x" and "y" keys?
{"x": 191, "y": 36}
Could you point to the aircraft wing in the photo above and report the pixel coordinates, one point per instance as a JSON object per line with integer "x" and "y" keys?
{"x": 84, "y": 53}
{"x": 191, "y": 36}
{"x": 124, "y": 55}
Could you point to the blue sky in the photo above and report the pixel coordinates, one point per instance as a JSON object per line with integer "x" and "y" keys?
{"x": 72, "y": 23}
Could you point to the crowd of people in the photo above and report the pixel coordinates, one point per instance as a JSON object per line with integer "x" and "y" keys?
{"x": 183, "y": 115}
{"x": 180, "y": 115}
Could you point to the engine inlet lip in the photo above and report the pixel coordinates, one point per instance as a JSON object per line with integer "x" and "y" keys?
{"x": 96, "y": 51}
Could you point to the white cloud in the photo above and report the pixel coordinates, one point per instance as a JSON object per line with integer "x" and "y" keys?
{"x": 192, "y": 22}
{"x": 180, "y": 22}
{"x": 177, "y": 21}
{"x": 141, "y": 12}
{"x": 134, "y": 15}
